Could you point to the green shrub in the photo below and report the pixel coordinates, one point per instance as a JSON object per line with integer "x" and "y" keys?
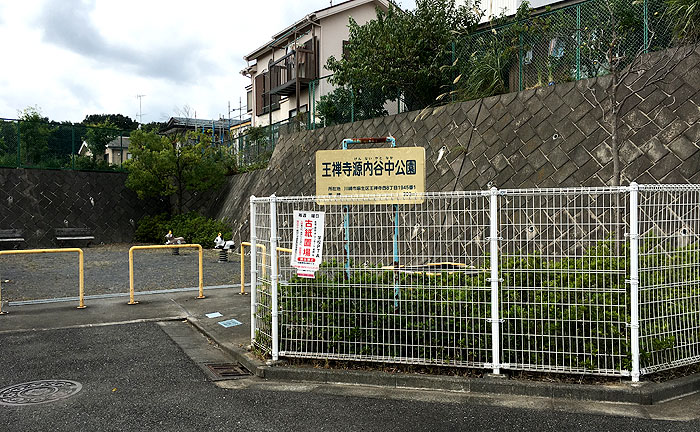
{"x": 87, "y": 164}
{"x": 152, "y": 229}
{"x": 195, "y": 228}
{"x": 571, "y": 311}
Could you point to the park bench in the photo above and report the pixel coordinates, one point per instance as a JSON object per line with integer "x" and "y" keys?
{"x": 11, "y": 237}
{"x": 74, "y": 235}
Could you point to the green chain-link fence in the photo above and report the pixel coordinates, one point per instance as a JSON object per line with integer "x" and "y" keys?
{"x": 254, "y": 147}
{"x": 343, "y": 104}
{"x": 566, "y": 44}
{"x": 51, "y": 145}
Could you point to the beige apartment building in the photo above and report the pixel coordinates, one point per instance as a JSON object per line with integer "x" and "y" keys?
{"x": 282, "y": 71}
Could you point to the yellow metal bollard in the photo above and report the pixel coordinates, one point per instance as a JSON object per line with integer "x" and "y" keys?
{"x": 180, "y": 246}
{"x": 81, "y": 284}
{"x": 264, "y": 251}
{"x": 1, "y": 312}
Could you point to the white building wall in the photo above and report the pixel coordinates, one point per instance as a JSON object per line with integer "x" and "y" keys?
{"x": 332, "y": 32}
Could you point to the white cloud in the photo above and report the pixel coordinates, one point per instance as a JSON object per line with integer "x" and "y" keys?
{"x": 73, "y": 58}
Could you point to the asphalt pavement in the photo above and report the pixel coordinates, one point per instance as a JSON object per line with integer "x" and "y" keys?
{"x": 144, "y": 367}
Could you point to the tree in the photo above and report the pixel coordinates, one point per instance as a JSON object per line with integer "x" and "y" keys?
{"x": 401, "y": 54}
{"x": 685, "y": 18}
{"x": 152, "y": 127}
{"x": 630, "y": 68}
{"x": 34, "y": 135}
{"x": 163, "y": 166}
{"x": 118, "y": 121}
{"x": 344, "y": 105}
{"x": 98, "y": 136}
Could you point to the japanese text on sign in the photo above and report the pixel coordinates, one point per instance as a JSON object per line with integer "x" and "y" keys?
{"x": 399, "y": 171}
{"x": 376, "y": 168}
{"x": 307, "y": 242}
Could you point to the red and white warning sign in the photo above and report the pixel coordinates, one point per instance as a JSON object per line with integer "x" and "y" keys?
{"x": 307, "y": 242}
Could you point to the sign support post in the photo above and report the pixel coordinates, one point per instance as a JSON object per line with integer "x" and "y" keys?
{"x": 346, "y": 213}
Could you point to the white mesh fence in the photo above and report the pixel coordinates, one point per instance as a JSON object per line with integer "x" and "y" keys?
{"x": 563, "y": 263}
{"x": 412, "y": 283}
{"x": 669, "y": 276}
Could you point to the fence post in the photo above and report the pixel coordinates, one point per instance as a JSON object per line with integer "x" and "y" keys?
{"x": 493, "y": 257}
{"x": 646, "y": 26}
{"x": 253, "y": 269}
{"x": 352, "y": 105}
{"x": 72, "y": 146}
{"x": 273, "y": 277}
{"x": 454, "y": 55}
{"x": 634, "y": 278}
{"x": 312, "y": 106}
{"x": 520, "y": 62}
{"x": 578, "y": 42}
{"x": 19, "y": 145}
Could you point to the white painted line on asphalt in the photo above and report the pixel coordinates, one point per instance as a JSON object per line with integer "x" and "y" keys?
{"x": 136, "y": 321}
{"x": 105, "y": 296}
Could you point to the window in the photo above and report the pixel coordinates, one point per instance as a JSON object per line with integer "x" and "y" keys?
{"x": 302, "y": 109}
{"x": 249, "y": 101}
{"x": 259, "y": 83}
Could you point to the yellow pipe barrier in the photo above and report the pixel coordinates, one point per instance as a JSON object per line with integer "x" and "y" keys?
{"x": 173, "y": 246}
{"x": 81, "y": 272}
{"x": 264, "y": 251}
{"x": 1, "y": 312}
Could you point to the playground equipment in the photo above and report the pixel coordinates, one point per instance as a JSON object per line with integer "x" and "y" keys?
{"x": 224, "y": 247}
{"x": 170, "y": 239}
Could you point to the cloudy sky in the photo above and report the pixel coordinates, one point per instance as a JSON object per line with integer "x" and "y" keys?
{"x": 72, "y": 58}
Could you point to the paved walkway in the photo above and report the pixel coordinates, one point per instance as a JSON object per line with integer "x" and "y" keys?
{"x": 184, "y": 307}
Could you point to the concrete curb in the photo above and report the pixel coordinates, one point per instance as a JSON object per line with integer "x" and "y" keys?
{"x": 247, "y": 360}
{"x": 646, "y": 393}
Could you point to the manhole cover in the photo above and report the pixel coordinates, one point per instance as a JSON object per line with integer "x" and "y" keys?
{"x": 226, "y": 370}
{"x": 38, "y": 392}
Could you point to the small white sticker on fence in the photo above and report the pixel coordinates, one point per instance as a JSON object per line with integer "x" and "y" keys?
{"x": 307, "y": 242}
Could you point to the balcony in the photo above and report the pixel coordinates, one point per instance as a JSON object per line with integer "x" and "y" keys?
{"x": 299, "y": 66}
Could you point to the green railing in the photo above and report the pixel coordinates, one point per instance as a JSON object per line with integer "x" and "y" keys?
{"x": 52, "y": 145}
{"x": 559, "y": 45}
{"x": 347, "y": 104}
{"x": 255, "y": 146}
{"x": 566, "y": 44}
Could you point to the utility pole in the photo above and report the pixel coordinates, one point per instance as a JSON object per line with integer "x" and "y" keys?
{"x": 140, "y": 96}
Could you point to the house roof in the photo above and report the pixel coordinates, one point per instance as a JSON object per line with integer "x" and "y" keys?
{"x": 313, "y": 16}
{"x": 119, "y": 142}
{"x": 186, "y": 122}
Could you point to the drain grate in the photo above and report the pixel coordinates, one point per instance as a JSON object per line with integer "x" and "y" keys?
{"x": 38, "y": 392}
{"x": 222, "y": 371}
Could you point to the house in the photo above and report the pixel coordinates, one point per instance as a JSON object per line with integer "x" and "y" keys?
{"x": 282, "y": 71}
{"x": 221, "y": 129}
{"x": 116, "y": 151}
